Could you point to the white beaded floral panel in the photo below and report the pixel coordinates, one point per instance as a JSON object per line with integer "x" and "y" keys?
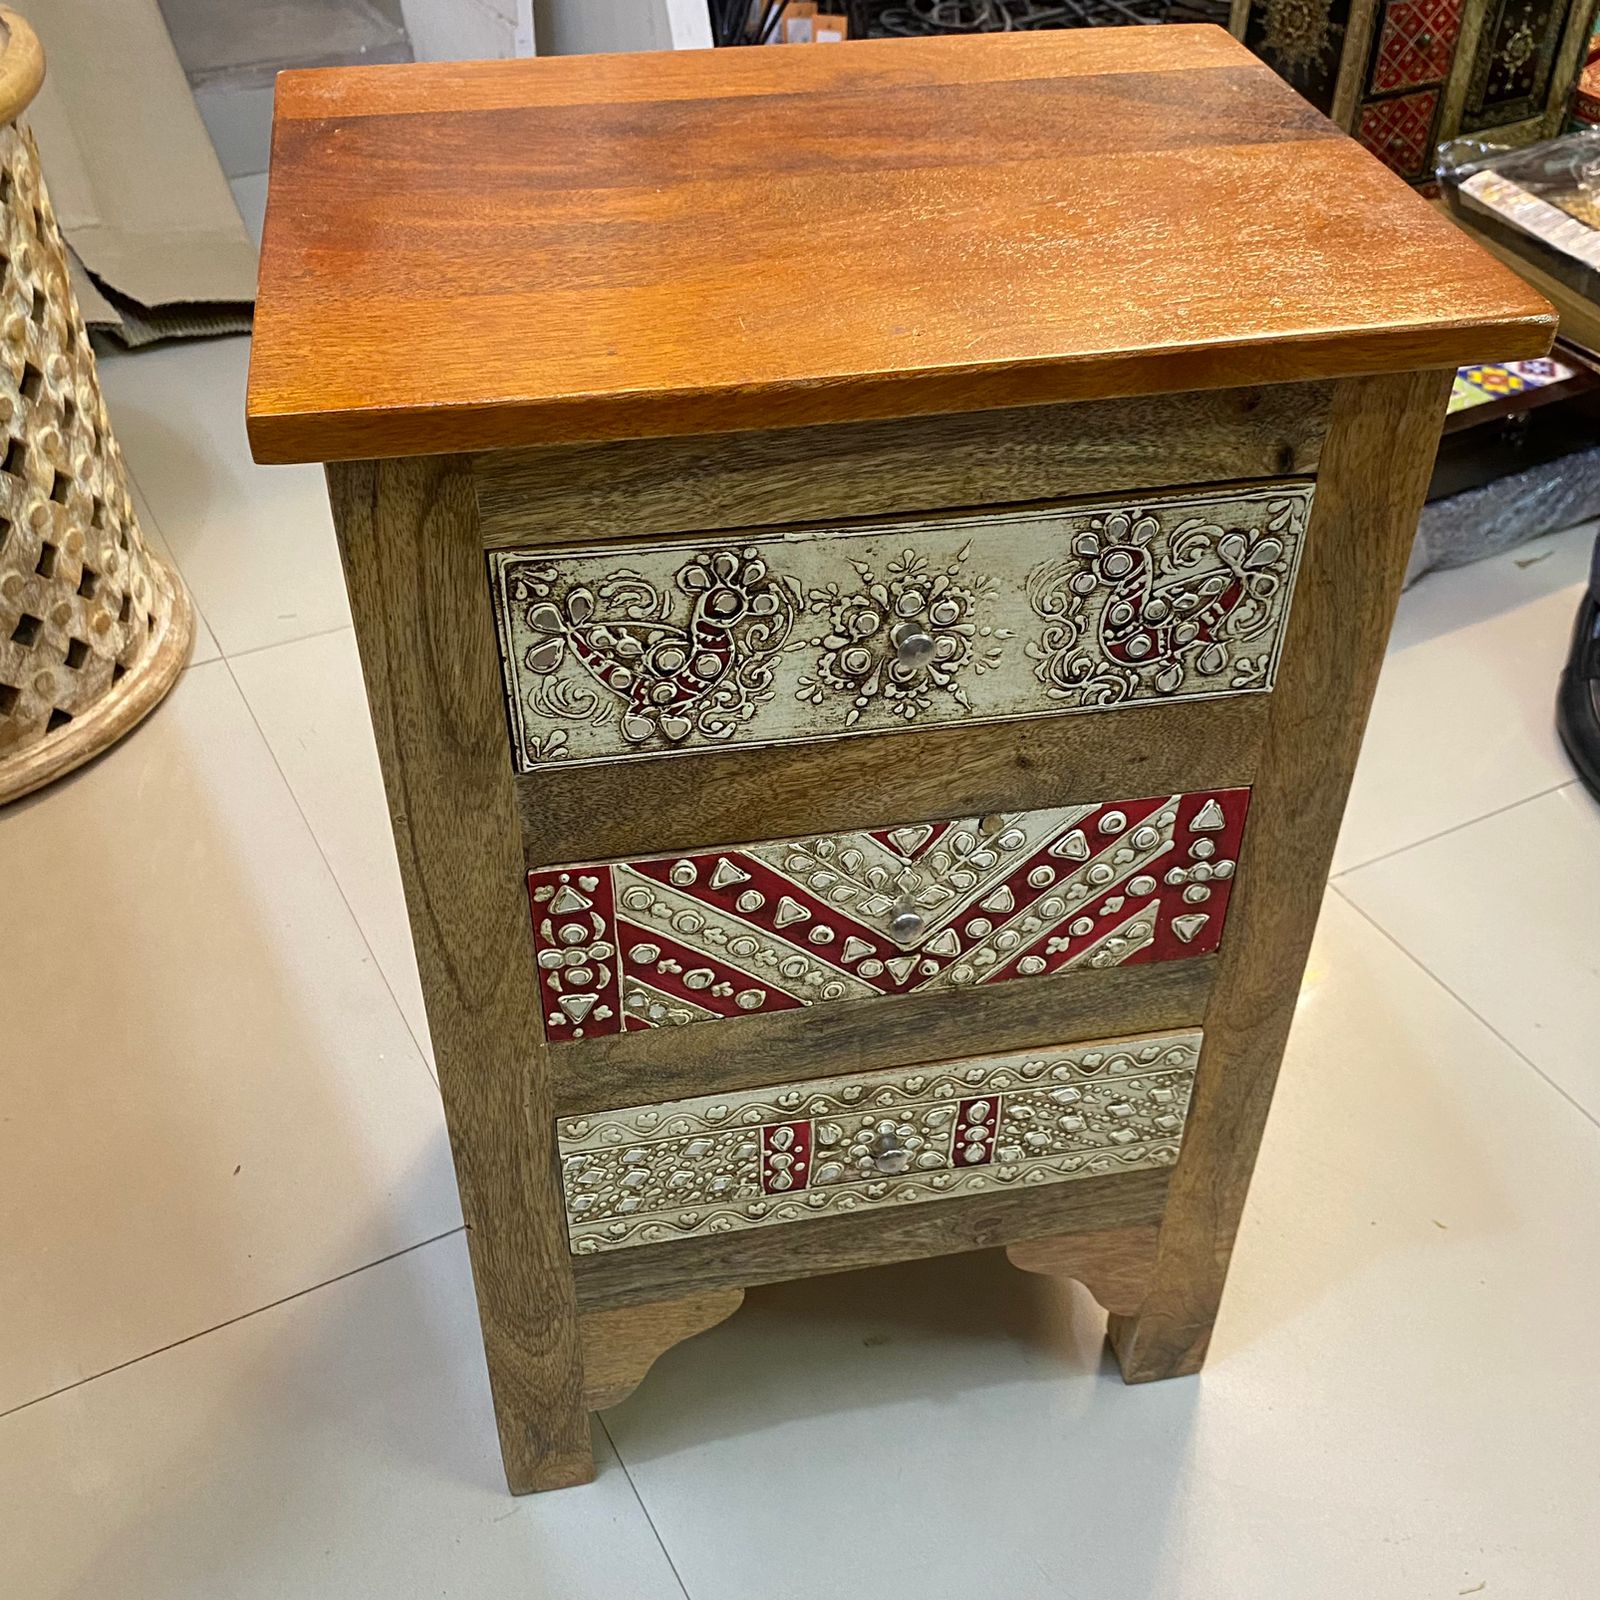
{"x": 687, "y": 645}
{"x": 901, "y": 1137}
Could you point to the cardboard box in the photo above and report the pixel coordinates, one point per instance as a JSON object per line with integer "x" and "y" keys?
{"x": 158, "y": 248}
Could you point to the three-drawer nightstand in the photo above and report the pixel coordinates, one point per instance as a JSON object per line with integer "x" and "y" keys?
{"x": 870, "y": 565}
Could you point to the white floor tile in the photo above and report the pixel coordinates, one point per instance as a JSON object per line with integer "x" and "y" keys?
{"x": 209, "y": 1098}
{"x": 1463, "y": 722}
{"x": 339, "y": 1447}
{"x": 1446, "y": 602}
{"x": 205, "y": 642}
{"x": 1506, "y": 913}
{"x": 255, "y": 543}
{"x": 309, "y": 701}
{"x": 1387, "y": 1411}
{"x": 250, "y": 196}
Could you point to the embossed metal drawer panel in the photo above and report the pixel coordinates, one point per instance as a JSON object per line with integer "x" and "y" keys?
{"x": 837, "y": 1145}
{"x": 666, "y": 940}
{"x": 646, "y": 649}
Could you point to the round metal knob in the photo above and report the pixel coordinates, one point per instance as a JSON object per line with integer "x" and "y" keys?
{"x": 913, "y": 644}
{"x": 889, "y": 1156}
{"x": 906, "y": 924}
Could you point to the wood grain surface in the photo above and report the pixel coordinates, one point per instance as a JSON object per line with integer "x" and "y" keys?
{"x": 1113, "y": 1264}
{"x": 840, "y": 1244}
{"x": 572, "y": 494}
{"x": 1375, "y": 469}
{"x": 862, "y": 1036}
{"x": 715, "y": 241}
{"x": 603, "y": 813}
{"x": 621, "y": 1345}
{"x": 408, "y": 536}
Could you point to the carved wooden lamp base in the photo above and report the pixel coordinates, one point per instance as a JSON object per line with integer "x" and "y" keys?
{"x": 94, "y": 628}
{"x": 865, "y": 771}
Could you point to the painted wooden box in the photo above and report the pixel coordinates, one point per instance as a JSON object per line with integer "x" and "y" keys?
{"x": 863, "y": 764}
{"x": 1406, "y": 75}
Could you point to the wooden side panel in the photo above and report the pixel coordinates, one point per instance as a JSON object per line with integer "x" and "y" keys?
{"x": 1114, "y": 1264}
{"x": 555, "y": 495}
{"x": 408, "y": 533}
{"x": 621, "y": 1345}
{"x": 1374, "y": 475}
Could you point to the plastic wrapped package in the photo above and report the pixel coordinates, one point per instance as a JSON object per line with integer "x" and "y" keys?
{"x": 1542, "y": 200}
{"x": 1465, "y": 527}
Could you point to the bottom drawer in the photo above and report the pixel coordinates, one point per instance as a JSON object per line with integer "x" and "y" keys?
{"x": 647, "y": 1174}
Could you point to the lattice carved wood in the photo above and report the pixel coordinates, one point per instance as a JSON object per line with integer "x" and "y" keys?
{"x": 93, "y": 627}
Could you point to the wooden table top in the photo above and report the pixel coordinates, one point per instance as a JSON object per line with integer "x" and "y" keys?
{"x": 467, "y": 256}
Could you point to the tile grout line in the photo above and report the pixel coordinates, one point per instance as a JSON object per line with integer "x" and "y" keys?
{"x": 243, "y": 1316}
{"x": 279, "y": 644}
{"x": 673, "y": 1565}
{"x": 1455, "y": 827}
{"x": 177, "y": 566}
{"x": 322, "y": 856}
{"x": 1467, "y": 1006}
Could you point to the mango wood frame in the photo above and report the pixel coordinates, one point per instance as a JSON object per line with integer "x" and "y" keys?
{"x": 566, "y": 1335}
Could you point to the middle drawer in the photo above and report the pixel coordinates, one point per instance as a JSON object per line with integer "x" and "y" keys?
{"x": 714, "y": 935}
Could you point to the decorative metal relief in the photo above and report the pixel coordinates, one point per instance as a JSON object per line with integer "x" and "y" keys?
{"x": 1302, "y": 41}
{"x": 779, "y": 638}
{"x": 1514, "y": 63}
{"x": 760, "y": 1157}
{"x": 668, "y": 940}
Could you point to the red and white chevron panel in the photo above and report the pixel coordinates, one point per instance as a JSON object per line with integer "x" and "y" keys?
{"x": 716, "y": 934}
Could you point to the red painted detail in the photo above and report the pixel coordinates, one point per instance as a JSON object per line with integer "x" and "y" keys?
{"x": 1200, "y": 871}
{"x": 1165, "y": 908}
{"x": 1400, "y": 131}
{"x": 670, "y": 970}
{"x": 574, "y": 926}
{"x": 1416, "y": 44}
{"x": 972, "y": 1144}
{"x": 785, "y": 1157}
{"x": 774, "y": 890}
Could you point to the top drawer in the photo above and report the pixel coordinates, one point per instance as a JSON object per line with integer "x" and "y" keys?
{"x": 633, "y": 650}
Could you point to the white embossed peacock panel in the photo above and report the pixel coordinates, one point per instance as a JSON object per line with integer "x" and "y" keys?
{"x": 821, "y": 633}
{"x": 663, "y": 941}
{"x": 758, "y": 1157}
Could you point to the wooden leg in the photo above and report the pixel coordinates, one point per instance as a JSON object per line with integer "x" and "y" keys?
{"x": 621, "y": 1345}
{"x": 408, "y": 533}
{"x": 1374, "y": 473}
{"x": 1114, "y": 1265}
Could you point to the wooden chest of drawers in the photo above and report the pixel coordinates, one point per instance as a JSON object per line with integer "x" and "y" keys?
{"x": 870, "y": 566}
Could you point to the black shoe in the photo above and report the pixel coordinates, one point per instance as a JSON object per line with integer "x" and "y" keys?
{"x": 1578, "y": 698}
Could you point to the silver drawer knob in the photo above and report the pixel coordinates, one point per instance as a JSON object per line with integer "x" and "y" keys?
{"x": 889, "y": 1156}
{"x": 906, "y": 924}
{"x": 913, "y": 645}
